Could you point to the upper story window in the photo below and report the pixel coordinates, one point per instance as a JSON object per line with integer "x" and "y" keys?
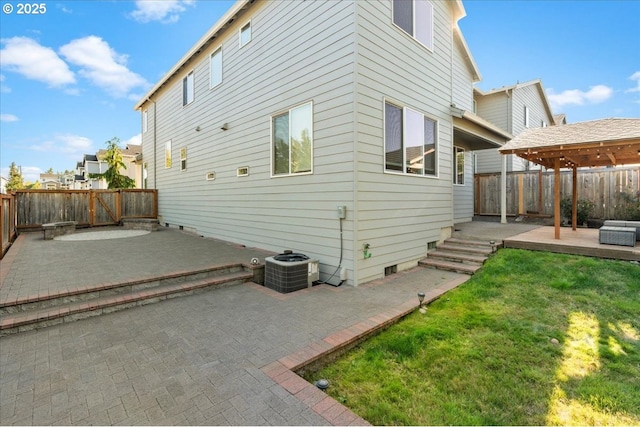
{"x": 458, "y": 173}
{"x": 167, "y": 154}
{"x": 292, "y": 141}
{"x": 188, "y": 89}
{"x": 145, "y": 120}
{"x": 183, "y": 159}
{"x": 215, "y": 68}
{"x": 411, "y": 141}
{"x": 526, "y": 117}
{"x": 415, "y": 17}
{"x": 543, "y": 124}
{"x": 245, "y": 34}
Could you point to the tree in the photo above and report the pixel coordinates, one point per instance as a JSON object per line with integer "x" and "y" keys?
{"x": 50, "y": 170}
{"x": 113, "y": 157}
{"x": 16, "y": 181}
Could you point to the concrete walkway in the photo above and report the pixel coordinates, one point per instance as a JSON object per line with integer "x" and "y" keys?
{"x": 219, "y": 357}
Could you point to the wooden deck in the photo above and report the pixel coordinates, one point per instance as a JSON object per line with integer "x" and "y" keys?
{"x": 583, "y": 241}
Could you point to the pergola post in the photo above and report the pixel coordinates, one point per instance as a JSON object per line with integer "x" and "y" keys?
{"x": 574, "y": 198}
{"x": 556, "y": 197}
{"x": 503, "y": 191}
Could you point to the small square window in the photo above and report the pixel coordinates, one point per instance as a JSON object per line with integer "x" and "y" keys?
{"x": 245, "y": 34}
{"x": 243, "y": 171}
{"x": 210, "y": 176}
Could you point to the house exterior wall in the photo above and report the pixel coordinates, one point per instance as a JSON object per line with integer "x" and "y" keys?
{"x": 507, "y": 110}
{"x": 308, "y": 60}
{"x": 347, "y": 58}
{"x": 398, "y": 215}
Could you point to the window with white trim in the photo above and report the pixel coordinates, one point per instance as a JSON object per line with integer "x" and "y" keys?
{"x": 145, "y": 120}
{"x": 245, "y": 34}
{"x": 167, "y": 154}
{"x": 415, "y": 17}
{"x": 526, "y": 117}
{"x": 543, "y": 124}
{"x": 215, "y": 68}
{"x": 411, "y": 141}
{"x": 458, "y": 173}
{"x": 188, "y": 89}
{"x": 183, "y": 158}
{"x": 292, "y": 141}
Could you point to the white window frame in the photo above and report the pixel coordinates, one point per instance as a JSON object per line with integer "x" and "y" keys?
{"x": 241, "y": 32}
{"x": 188, "y": 88}
{"x": 183, "y": 159}
{"x": 167, "y": 155}
{"x": 279, "y": 114}
{"x": 526, "y": 116}
{"x": 405, "y": 132}
{"x": 459, "y": 151}
{"x": 218, "y": 68}
{"x": 145, "y": 121}
{"x": 422, "y": 32}
{"x": 543, "y": 124}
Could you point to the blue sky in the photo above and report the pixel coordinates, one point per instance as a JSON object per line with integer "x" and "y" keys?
{"x": 69, "y": 77}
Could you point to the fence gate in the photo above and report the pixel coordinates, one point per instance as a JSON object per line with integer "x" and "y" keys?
{"x": 105, "y": 207}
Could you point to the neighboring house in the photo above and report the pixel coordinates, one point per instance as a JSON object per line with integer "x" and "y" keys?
{"x": 3, "y": 185}
{"x": 514, "y": 109}
{"x": 263, "y": 131}
{"x": 90, "y": 166}
{"x": 131, "y": 157}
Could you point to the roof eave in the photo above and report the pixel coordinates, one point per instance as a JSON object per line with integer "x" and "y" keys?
{"x": 219, "y": 26}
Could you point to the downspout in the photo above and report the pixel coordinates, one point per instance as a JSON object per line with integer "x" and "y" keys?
{"x": 503, "y": 172}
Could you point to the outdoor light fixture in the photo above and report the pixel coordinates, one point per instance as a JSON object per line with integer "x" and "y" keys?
{"x": 224, "y": 126}
{"x": 420, "y": 298}
{"x": 322, "y": 384}
{"x": 493, "y": 245}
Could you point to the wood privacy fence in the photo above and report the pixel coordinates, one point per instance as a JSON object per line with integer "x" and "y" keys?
{"x": 614, "y": 191}
{"x": 7, "y": 222}
{"x": 87, "y": 207}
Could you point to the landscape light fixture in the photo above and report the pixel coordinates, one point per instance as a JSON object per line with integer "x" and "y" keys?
{"x": 322, "y": 384}
{"x": 493, "y": 245}
{"x": 420, "y": 298}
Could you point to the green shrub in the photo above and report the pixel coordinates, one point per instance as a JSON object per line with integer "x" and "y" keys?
{"x": 585, "y": 209}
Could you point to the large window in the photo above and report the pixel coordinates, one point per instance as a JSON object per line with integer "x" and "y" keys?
{"x": 411, "y": 143}
{"x": 215, "y": 68}
{"x": 188, "y": 89}
{"x": 415, "y": 17}
{"x": 458, "y": 175}
{"x": 292, "y": 141}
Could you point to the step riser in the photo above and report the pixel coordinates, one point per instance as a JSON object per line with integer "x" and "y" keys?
{"x": 466, "y": 249}
{"x": 461, "y": 258}
{"x": 97, "y": 311}
{"x": 473, "y": 243}
{"x": 456, "y": 269}
{"x": 116, "y": 290}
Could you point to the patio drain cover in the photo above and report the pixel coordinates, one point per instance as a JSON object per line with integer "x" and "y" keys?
{"x": 102, "y": 235}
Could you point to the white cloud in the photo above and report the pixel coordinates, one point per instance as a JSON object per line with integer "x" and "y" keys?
{"x": 8, "y": 118}
{"x": 102, "y": 65}
{"x": 635, "y": 76}
{"x": 34, "y": 61}
{"x": 135, "y": 140}
{"x": 73, "y": 145}
{"x": 595, "y": 95}
{"x": 3, "y": 88}
{"x": 165, "y": 11}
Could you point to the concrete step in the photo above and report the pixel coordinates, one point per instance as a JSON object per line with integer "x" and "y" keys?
{"x": 455, "y": 256}
{"x": 95, "y": 302}
{"x": 468, "y": 249}
{"x": 473, "y": 242}
{"x": 457, "y": 267}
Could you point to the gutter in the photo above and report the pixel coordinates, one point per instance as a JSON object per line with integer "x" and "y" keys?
{"x": 474, "y": 118}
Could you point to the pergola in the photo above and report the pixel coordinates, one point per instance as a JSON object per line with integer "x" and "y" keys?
{"x": 606, "y": 142}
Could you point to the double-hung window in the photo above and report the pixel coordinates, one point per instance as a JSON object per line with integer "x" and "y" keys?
{"x": 188, "y": 89}
{"x": 215, "y": 68}
{"x": 292, "y": 141}
{"x": 167, "y": 154}
{"x": 415, "y": 17}
{"x": 458, "y": 175}
{"x": 411, "y": 141}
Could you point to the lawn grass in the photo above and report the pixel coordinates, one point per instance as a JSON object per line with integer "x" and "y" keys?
{"x": 485, "y": 353}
